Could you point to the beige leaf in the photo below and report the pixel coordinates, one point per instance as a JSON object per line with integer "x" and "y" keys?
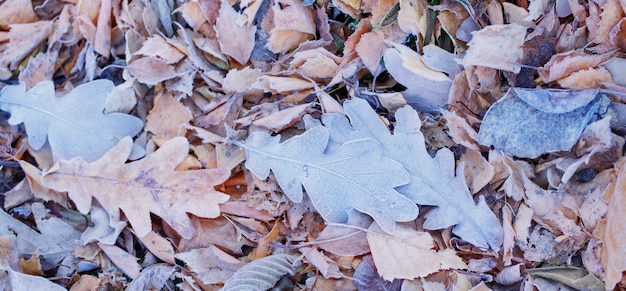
{"x": 151, "y": 70}
{"x": 614, "y": 251}
{"x": 143, "y": 187}
{"x": 17, "y": 11}
{"x": 240, "y": 81}
{"x": 168, "y": 118}
{"x": 157, "y": 46}
{"x": 211, "y": 264}
{"x": 281, "y": 84}
{"x": 122, "y": 259}
{"x": 478, "y": 172}
{"x": 410, "y": 17}
{"x": 496, "y": 46}
{"x": 235, "y": 40}
{"x": 370, "y": 48}
{"x": 280, "y": 120}
{"x": 23, "y": 38}
{"x": 586, "y": 79}
{"x": 564, "y": 64}
{"x": 408, "y": 253}
{"x": 327, "y": 267}
{"x": 159, "y": 246}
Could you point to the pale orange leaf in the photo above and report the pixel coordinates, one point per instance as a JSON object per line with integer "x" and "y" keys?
{"x": 168, "y": 118}
{"x": 235, "y": 40}
{"x": 17, "y": 11}
{"x": 143, "y": 187}
{"x": 614, "y": 250}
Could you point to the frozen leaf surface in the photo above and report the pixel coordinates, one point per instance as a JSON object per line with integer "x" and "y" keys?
{"x": 354, "y": 176}
{"x": 150, "y": 185}
{"x": 433, "y": 180}
{"x": 74, "y": 124}
{"x": 528, "y": 123}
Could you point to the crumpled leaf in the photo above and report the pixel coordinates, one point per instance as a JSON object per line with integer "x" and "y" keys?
{"x": 357, "y": 169}
{"x": 409, "y": 254}
{"x": 496, "y": 46}
{"x": 528, "y": 122}
{"x": 433, "y": 180}
{"x": 570, "y": 276}
{"x": 150, "y": 185}
{"x": 74, "y": 124}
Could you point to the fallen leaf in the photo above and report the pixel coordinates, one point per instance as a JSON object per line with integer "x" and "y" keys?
{"x": 564, "y": 64}
{"x": 240, "y": 47}
{"x": 433, "y": 180}
{"x": 261, "y": 274}
{"x": 409, "y": 254}
{"x": 496, "y": 46}
{"x": 147, "y": 186}
{"x": 74, "y": 124}
{"x": 528, "y": 122}
{"x": 17, "y": 11}
{"x": 211, "y": 264}
{"x": 168, "y": 118}
{"x": 327, "y": 267}
{"x": 366, "y": 277}
{"x": 614, "y": 250}
{"x": 302, "y": 160}
{"x": 122, "y": 259}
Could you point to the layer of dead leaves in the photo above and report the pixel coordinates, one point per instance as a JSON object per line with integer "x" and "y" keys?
{"x": 199, "y": 73}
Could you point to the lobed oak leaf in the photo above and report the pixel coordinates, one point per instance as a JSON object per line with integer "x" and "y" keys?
{"x": 354, "y": 176}
{"x": 433, "y": 180}
{"x": 150, "y": 185}
{"x": 74, "y": 124}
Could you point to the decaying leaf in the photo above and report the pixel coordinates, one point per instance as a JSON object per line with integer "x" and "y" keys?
{"x": 74, "y": 125}
{"x": 496, "y": 46}
{"x": 304, "y": 161}
{"x": 529, "y": 123}
{"x": 150, "y": 185}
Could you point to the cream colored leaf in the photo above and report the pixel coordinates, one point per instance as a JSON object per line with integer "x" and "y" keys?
{"x": 168, "y": 118}
{"x": 235, "y": 40}
{"x": 614, "y": 251}
{"x": 150, "y": 185}
{"x": 408, "y": 253}
{"x": 211, "y": 264}
{"x": 496, "y": 46}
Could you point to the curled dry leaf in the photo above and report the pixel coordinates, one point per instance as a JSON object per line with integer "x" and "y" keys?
{"x": 150, "y": 185}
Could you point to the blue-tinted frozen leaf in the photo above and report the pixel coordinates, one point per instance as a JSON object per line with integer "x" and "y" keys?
{"x": 354, "y": 176}
{"x": 434, "y": 181}
{"x": 528, "y": 123}
{"x": 74, "y": 124}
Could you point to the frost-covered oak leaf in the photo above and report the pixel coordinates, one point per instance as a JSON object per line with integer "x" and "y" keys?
{"x": 433, "y": 180}
{"x": 74, "y": 124}
{"x": 150, "y": 185}
{"x": 355, "y": 176}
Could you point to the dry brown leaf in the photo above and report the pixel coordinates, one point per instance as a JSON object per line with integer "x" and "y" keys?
{"x": 408, "y": 253}
{"x": 157, "y": 46}
{"x": 316, "y": 63}
{"x": 17, "y": 11}
{"x": 564, "y": 64}
{"x": 496, "y": 46}
{"x": 240, "y": 81}
{"x": 236, "y": 40}
{"x": 370, "y": 49}
{"x": 281, "y": 84}
{"x": 611, "y": 14}
{"x": 211, "y": 264}
{"x": 478, "y": 172}
{"x": 143, "y": 187}
{"x": 168, "y": 118}
{"x": 23, "y": 38}
{"x": 122, "y": 259}
{"x": 327, "y": 267}
{"x": 586, "y": 79}
{"x": 151, "y": 70}
{"x": 282, "y": 119}
{"x": 614, "y": 250}
{"x": 294, "y": 23}
{"x": 218, "y": 231}
{"x": 40, "y": 68}
{"x": 159, "y": 246}
{"x": 102, "y": 41}
{"x": 410, "y": 17}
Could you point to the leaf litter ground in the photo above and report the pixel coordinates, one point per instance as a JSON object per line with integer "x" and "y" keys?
{"x": 328, "y": 145}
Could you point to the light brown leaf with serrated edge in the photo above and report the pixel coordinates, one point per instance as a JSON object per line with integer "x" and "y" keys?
{"x": 150, "y": 185}
{"x": 157, "y": 46}
{"x": 23, "y": 38}
{"x": 408, "y": 253}
{"x": 564, "y": 64}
